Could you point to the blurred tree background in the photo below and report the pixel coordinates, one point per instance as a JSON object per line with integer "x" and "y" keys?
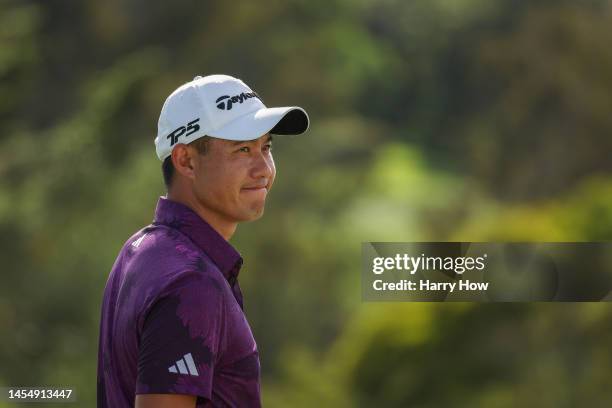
{"x": 431, "y": 120}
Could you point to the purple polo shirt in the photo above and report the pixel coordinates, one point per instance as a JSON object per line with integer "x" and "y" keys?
{"x": 172, "y": 319}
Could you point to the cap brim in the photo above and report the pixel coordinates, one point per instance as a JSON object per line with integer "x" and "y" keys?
{"x": 291, "y": 120}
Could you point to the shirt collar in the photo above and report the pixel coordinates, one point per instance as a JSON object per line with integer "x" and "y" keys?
{"x": 184, "y": 219}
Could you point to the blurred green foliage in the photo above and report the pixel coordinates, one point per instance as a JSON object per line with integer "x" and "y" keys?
{"x": 431, "y": 120}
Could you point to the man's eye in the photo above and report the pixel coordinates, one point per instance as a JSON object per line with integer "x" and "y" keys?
{"x": 244, "y": 149}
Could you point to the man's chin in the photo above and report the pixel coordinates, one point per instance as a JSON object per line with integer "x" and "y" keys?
{"x": 253, "y": 215}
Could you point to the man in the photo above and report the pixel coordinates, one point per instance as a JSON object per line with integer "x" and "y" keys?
{"x": 173, "y": 332}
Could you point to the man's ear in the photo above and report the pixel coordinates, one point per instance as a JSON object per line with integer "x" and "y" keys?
{"x": 183, "y": 160}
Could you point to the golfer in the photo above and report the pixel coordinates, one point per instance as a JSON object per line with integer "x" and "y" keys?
{"x": 173, "y": 332}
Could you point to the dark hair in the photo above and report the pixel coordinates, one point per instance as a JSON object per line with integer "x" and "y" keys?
{"x": 201, "y": 146}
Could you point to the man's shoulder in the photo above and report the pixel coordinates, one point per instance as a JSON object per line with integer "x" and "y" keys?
{"x": 157, "y": 241}
{"x": 162, "y": 255}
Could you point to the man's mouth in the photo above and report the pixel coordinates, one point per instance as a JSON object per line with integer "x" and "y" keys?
{"x": 256, "y": 188}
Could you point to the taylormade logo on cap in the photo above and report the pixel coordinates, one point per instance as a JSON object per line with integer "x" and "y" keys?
{"x": 234, "y": 99}
{"x": 224, "y": 107}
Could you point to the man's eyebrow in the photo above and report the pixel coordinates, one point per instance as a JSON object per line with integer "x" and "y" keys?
{"x": 237, "y": 142}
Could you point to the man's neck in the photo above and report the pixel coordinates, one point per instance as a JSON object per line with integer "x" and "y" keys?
{"x": 220, "y": 224}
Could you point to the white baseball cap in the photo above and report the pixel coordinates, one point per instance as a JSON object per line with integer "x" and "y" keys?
{"x": 224, "y": 107}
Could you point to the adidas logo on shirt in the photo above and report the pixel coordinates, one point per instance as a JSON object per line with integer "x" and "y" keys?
{"x": 136, "y": 243}
{"x": 188, "y": 368}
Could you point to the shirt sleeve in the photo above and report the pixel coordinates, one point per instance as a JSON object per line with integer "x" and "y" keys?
{"x": 182, "y": 338}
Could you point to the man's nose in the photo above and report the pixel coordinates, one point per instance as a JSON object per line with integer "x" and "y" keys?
{"x": 262, "y": 166}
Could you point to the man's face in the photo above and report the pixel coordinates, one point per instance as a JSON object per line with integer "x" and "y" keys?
{"x": 233, "y": 178}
